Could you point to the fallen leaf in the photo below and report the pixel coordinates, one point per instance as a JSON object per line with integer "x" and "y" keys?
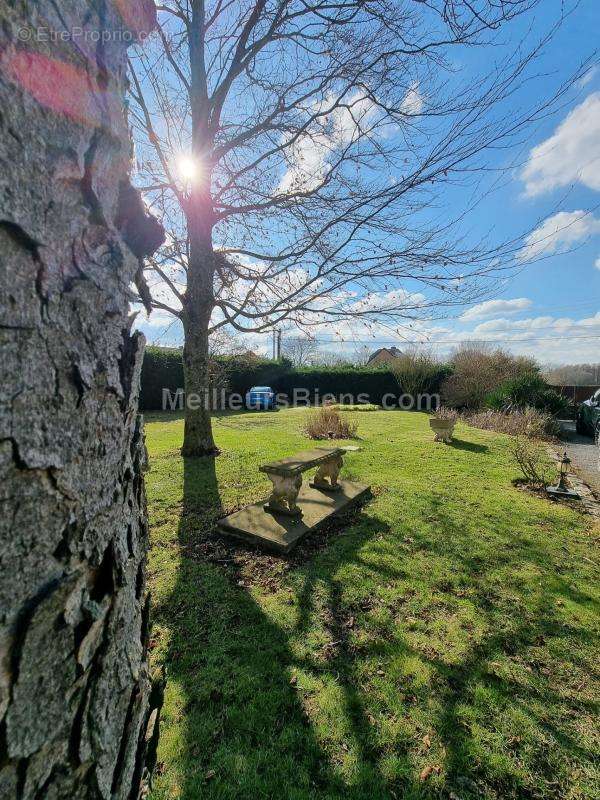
{"x": 427, "y": 741}
{"x": 429, "y": 770}
{"x": 210, "y": 774}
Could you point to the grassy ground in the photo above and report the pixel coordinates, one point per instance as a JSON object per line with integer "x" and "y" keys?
{"x": 442, "y": 643}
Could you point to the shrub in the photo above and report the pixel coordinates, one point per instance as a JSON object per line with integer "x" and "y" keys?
{"x": 477, "y": 370}
{"x": 328, "y": 423}
{"x": 419, "y": 373}
{"x": 530, "y": 423}
{"x": 534, "y": 462}
{"x": 529, "y": 390}
{"x": 445, "y": 413}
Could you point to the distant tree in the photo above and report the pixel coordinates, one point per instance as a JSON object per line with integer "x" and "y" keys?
{"x": 301, "y": 350}
{"x": 332, "y": 358}
{"x": 574, "y": 375}
{"x": 361, "y": 355}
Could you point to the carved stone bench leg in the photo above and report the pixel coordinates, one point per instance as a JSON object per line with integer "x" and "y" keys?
{"x": 328, "y": 470}
{"x": 284, "y": 495}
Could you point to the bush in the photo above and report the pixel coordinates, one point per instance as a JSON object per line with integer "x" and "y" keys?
{"x": 534, "y": 462}
{"x": 477, "y": 371}
{"x": 419, "y": 373}
{"x": 445, "y": 413}
{"x": 529, "y": 390}
{"x": 530, "y": 423}
{"x": 328, "y": 423}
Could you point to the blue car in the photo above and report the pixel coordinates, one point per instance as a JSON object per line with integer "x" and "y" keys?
{"x": 260, "y": 398}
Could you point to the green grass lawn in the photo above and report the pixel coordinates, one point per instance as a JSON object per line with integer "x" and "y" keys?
{"x": 443, "y": 642}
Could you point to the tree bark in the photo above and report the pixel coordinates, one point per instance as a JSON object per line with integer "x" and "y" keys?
{"x": 198, "y": 303}
{"x": 197, "y": 437}
{"x": 197, "y": 309}
{"x": 76, "y": 701}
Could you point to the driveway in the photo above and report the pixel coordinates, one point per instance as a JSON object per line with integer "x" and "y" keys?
{"x": 583, "y": 452}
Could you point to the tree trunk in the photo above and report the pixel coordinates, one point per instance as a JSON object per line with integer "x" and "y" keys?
{"x": 76, "y": 712}
{"x": 198, "y": 303}
{"x": 198, "y": 437}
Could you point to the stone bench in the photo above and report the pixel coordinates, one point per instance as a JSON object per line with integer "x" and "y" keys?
{"x": 286, "y": 477}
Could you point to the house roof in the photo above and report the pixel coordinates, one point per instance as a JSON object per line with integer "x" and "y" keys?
{"x": 393, "y": 351}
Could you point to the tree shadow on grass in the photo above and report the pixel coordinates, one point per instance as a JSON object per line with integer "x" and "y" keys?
{"x": 516, "y": 664}
{"x": 254, "y": 703}
{"x": 231, "y": 674}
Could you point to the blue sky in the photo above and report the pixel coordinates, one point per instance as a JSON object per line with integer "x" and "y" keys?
{"x": 551, "y": 308}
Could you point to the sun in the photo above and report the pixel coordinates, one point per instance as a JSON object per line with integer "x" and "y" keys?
{"x": 188, "y": 168}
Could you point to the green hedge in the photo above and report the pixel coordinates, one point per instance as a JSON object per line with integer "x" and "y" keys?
{"x": 163, "y": 367}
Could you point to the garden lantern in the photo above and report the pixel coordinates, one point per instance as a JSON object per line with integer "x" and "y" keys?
{"x": 561, "y": 489}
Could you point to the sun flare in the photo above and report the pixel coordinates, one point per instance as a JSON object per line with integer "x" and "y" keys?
{"x": 188, "y": 168}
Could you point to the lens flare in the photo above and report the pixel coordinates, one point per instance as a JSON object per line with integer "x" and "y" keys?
{"x": 188, "y": 168}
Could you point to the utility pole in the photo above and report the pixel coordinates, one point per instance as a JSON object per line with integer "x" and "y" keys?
{"x": 276, "y": 344}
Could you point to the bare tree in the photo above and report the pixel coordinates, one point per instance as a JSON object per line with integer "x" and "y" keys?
{"x": 296, "y": 152}
{"x": 331, "y": 358}
{"x": 477, "y": 369}
{"x": 575, "y": 374}
{"x": 361, "y": 355}
{"x": 301, "y": 350}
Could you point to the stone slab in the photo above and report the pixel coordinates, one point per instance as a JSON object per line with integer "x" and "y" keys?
{"x": 281, "y": 533}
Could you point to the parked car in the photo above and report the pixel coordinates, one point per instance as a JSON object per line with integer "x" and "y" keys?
{"x": 588, "y": 416}
{"x": 260, "y": 397}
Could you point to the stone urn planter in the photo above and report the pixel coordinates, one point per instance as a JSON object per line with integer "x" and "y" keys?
{"x": 443, "y": 429}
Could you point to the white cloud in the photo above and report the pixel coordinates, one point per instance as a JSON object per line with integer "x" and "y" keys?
{"x": 571, "y": 154}
{"x": 549, "y": 339}
{"x": 413, "y": 102}
{"x": 588, "y": 77}
{"x": 559, "y": 232}
{"x": 597, "y": 263}
{"x": 491, "y": 308}
{"x": 309, "y": 156}
{"x": 504, "y": 325}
